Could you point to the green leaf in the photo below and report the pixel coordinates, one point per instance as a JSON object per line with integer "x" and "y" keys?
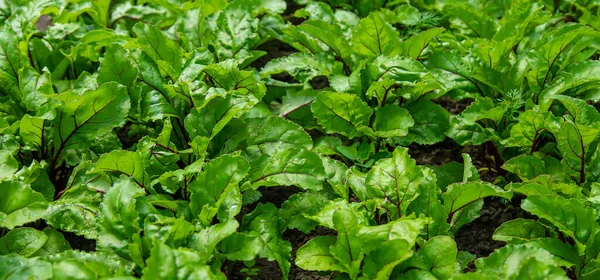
{"x": 19, "y": 204}
{"x": 382, "y": 261}
{"x": 11, "y": 59}
{"x": 345, "y": 251}
{"x": 519, "y": 230}
{"x": 480, "y": 23}
{"x": 373, "y": 37}
{"x": 572, "y": 218}
{"x": 211, "y": 187}
{"x": 31, "y": 131}
{"x": 18, "y": 267}
{"x": 23, "y": 241}
{"x": 531, "y": 124}
{"x": 37, "y": 92}
{"x": 266, "y": 224}
{"x": 341, "y": 113}
{"x": 406, "y": 228}
{"x": 303, "y": 67}
{"x": 577, "y": 144}
{"x": 316, "y": 255}
{"x": 413, "y": 47}
{"x": 288, "y": 167}
{"x": 90, "y": 114}
{"x": 94, "y": 264}
{"x": 396, "y": 181}
{"x": 205, "y": 241}
{"x": 392, "y": 121}
{"x": 166, "y": 53}
{"x": 507, "y": 261}
{"x": 226, "y": 75}
{"x": 8, "y": 165}
{"x": 210, "y": 119}
{"x": 76, "y": 211}
{"x": 55, "y": 244}
{"x": 431, "y": 123}
{"x": 118, "y": 219}
{"x": 300, "y": 204}
{"x": 267, "y": 135}
{"x": 123, "y": 162}
{"x": 180, "y": 263}
{"x": 240, "y": 247}
{"x": 117, "y": 67}
{"x": 437, "y": 256}
{"x": 462, "y": 198}
{"x": 525, "y": 166}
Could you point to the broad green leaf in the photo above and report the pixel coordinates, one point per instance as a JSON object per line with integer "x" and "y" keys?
{"x": 206, "y": 240}
{"x": 382, "y": 261}
{"x": 413, "y": 47}
{"x": 56, "y": 243}
{"x": 18, "y": 267}
{"x": 122, "y": 162}
{"x": 166, "y": 53}
{"x": 76, "y": 211}
{"x": 300, "y": 204}
{"x": 431, "y": 123}
{"x": 267, "y": 135}
{"x": 288, "y": 167}
{"x": 531, "y": 124}
{"x": 316, "y": 255}
{"x": 373, "y": 36}
{"x": 507, "y": 261}
{"x": 11, "y": 59}
{"x": 329, "y": 34}
{"x": 392, "y": 121}
{"x": 117, "y": 67}
{"x": 210, "y": 188}
{"x": 180, "y": 263}
{"x": 406, "y": 228}
{"x": 19, "y": 204}
{"x": 462, "y": 197}
{"x": 525, "y": 166}
{"x": 572, "y": 218}
{"x": 8, "y": 165}
{"x": 324, "y": 215}
{"x": 580, "y": 111}
{"x": 90, "y": 114}
{"x": 303, "y": 67}
{"x": 346, "y": 250}
{"x": 95, "y": 264}
{"x": 519, "y": 230}
{"x": 437, "y": 256}
{"x": 37, "y": 92}
{"x": 240, "y": 247}
{"x": 266, "y": 224}
{"x": 31, "y": 131}
{"x": 22, "y": 241}
{"x": 210, "y": 119}
{"x": 428, "y": 203}
{"x": 341, "y": 113}
{"x": 396, "y": 181}
{"x": 226, "y": 75}
{"x": 118, "y": 220}
{"x": 480, "y": 23}
{"x": 577, "y": 144}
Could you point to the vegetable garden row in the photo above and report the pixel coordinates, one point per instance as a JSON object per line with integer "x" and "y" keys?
{"x": 272, "y": 139}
